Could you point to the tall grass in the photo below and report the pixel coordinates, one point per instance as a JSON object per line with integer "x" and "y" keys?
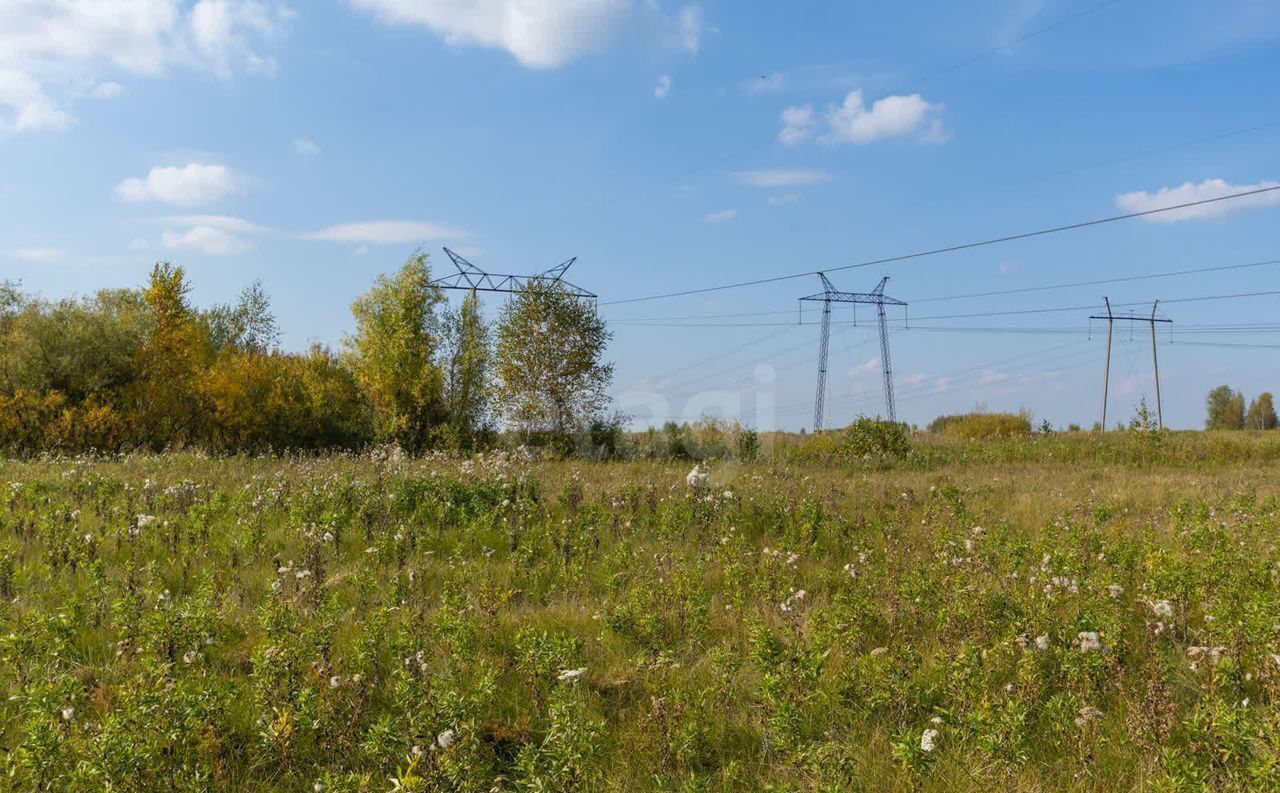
{"x": 1044, "y": 613}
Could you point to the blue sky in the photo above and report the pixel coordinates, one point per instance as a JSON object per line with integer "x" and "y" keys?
{"x": 673, "y": 146}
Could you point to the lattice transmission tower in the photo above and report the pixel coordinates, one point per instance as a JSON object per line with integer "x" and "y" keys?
{"x": 1131, "y": 317}
{"x": 473, "y": 279}
{"x": 875, "y": 297}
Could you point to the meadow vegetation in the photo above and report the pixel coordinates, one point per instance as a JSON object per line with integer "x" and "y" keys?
{"x": 1064, "y": 611}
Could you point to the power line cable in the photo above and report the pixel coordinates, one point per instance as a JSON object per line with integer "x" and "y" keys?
{"x": 953, "y": 248}
{"x": 993, "y": 293}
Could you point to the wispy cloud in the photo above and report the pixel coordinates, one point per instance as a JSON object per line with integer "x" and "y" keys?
{"x": 305, "y": 147}
{"x": 722, "y": 216}
{"x": 385, "y": 231}
{"x": 663, "y": 87}
{"x": 37, "y": 255}
{"x": 797, "y": 124}
{"x": 207, "y": 240}
{"x": 781, "y": 177}
{"x": 212, "y": 235}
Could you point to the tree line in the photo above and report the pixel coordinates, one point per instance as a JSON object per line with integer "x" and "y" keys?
{"x": 1226, "y": 411}
{"x": 144, "y": 368}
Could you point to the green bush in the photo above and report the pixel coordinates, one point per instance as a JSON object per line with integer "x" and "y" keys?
{"x": 865, "y": 438}
{"x": 982, "y": 426}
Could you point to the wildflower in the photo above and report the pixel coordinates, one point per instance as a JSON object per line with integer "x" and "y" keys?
{"x": 1161, "y": 608}
{"x": 568, "y": 675}
{"x": 1087, "y": 714}
{"x": 936, "y": 720}
{"x": 446, "y": 739}
{"x": 851, "y": 570}
{"x": 189, "y": 656}
{"x": 335, "y": 681}
{"x": 356, "y": 678}
{"x": 276, "y": 586}
{"x": 1214, "y": 653}
{"x": 328, "y": 536}
{"x": 927, "y": 738}
{"x": 1089, "y": 642}
{"x": 68, "y": 713}
{"x": 879, "y": 651}
{"x": 1042, "y": 642}
{"x": 697, "y": 478}
{"x": 1115, "y": 591}
{"x": 144, "y": 521}
{"x": 789, "y": 605}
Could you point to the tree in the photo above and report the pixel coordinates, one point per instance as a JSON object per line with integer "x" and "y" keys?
{"x": 170, "y": 360}
{"x": 1225, "y": 409}
{"x": 467, "y": 359}
{"x": 1262, "y": 413}
{"x": 393, "y": 354}
{"x": 550, "y": 376}
{"x": 249, "y": 325}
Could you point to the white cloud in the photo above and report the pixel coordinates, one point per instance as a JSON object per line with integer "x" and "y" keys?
{"x": 1188, "y": 192}
{"x": 190, "y": 185}
{"x": 221, "y": 32}
{"x": 780, "y": 177}
{"x": 797, "y": 124}
{"x": 784, "y": 198}
{"x": 853, "y": 122}
{"x": 361, "y": 250}
{"x": 49, "y": 51}
{"x": 690, "y": 28}
{"x": 385, "y": 231}
{"x": 107, "y": 90}
{"x": 663, "y": 87}
{"x": 721, "y": 216}
{"x": 872, "y": 365}
{"x": 213, "y": 235}
{"x": 38, "y": 255}
{"x": 305, "y": 147}
{"x": 207, "y": 240}
{"x": 541, "y": 34}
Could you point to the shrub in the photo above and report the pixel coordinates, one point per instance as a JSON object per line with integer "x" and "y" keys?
{"x": 981, "y": 426}
{"x": 864, "y": 438}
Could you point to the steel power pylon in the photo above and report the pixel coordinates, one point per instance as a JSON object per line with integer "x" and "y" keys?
{"x": 1131, "y": 316}
{"x": 875, "y": 297}
{"x": 474, "y": 279}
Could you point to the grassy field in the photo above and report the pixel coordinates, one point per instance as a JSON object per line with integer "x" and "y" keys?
{"x": 1059, "y": 614}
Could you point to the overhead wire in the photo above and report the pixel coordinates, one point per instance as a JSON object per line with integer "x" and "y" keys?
{"x": 952, "y": 248}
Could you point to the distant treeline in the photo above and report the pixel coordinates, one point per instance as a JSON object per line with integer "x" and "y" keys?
{"x": 144, "y": 368}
